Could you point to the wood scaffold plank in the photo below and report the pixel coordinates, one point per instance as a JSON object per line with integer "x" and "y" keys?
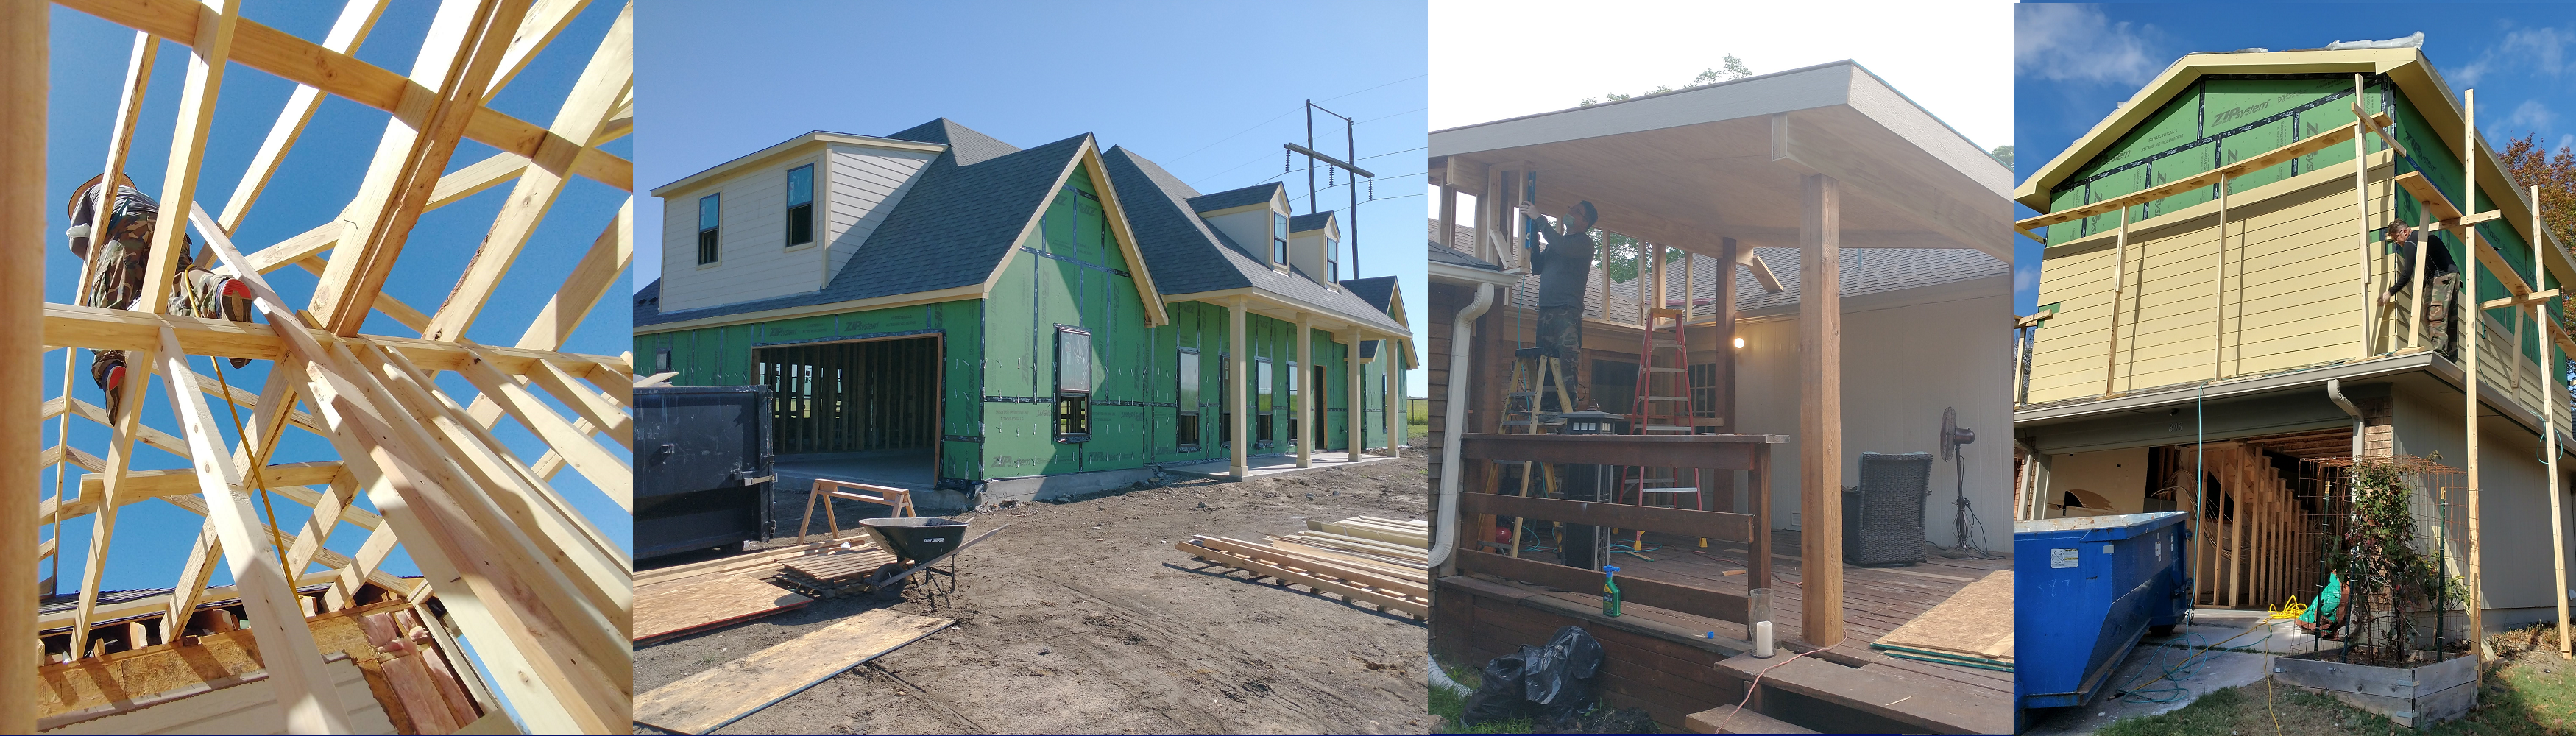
{"x": 24, "y": 28}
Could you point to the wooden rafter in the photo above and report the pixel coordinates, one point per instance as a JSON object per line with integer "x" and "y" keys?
{"x": 537, "y": 589}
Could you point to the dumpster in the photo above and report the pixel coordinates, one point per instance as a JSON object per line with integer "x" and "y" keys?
{"x": 2085, "y": 591}
{"x": 702, "y": 468}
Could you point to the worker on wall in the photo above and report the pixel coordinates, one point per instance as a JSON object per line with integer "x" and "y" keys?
{"x": 116, "y": 275}
{"x": 2441, "y": 274}
{"x": 1564, "y": 270}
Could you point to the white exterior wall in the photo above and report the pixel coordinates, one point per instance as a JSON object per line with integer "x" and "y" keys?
{"x": 1306, "y": 249}
{"x": 1905, "y": 357}
{"x": 854, "y": 188}
{"x": 2513, "y": 500}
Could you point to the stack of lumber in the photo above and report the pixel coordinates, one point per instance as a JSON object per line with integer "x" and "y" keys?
{"x": 682, "y": 599}
{"x": 723, "y": 694}
{"x": 1365, "y": 560}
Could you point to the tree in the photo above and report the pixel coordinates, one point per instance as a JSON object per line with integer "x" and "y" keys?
{"x": 1728, "y": 69}
{"x": 2003, "y": 155}
{"x": 2532, "y": 165}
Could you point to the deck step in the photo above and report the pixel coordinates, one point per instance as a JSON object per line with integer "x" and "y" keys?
{"x": 1921, "y": 707}
{"x": 1739, "y": 721}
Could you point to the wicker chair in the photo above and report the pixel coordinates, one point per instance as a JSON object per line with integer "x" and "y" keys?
{"x": 1883, "y": 516}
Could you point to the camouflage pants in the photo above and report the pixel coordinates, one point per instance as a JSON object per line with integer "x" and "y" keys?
{"x": 2438, "y": 317}
{"x": 1560, "y": 334}
{"x": 194, "y": 292}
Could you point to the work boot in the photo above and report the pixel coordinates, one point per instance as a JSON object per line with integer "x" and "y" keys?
{"x": 236, "y": 305}
{"x": 107, "y": 368}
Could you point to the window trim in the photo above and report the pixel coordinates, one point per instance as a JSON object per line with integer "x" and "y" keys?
{"x": 1225, "y": 400}
{"x": 1279, "y": 234}
{"x": 1061, "y": 395}
{"x": 1332, "y": 265}
{"x": 787, "y": 229}
{"x": 1265, "y": 418}
{"x": 1186, "y": 400}
{"x": 706, "y": 248}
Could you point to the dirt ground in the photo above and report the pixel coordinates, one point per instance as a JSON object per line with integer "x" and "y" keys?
{"x": 1082, "y": 618}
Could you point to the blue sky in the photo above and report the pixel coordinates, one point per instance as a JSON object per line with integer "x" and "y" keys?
{"x": 317, "y": 179}
{"x": 2072, "y": 62}
{"x": 1208, "y": 90}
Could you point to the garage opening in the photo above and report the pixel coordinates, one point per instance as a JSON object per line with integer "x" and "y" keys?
{"x": 865, "y": 411}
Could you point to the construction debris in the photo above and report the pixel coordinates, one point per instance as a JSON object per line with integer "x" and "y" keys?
{"x": 1366, "y": 560}
{"x": 708, "y": 700}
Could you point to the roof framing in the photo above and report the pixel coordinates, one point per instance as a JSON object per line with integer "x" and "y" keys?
{"x": 542, "y": 595}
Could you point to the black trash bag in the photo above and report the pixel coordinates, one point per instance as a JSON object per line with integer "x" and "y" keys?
{"x": 1558, "y": 677}
{"x": 1499, "y": 697}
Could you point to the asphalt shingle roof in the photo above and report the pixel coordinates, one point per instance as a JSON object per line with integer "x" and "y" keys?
{"x": 1379, "y": 291}
{"x": 1235, "y": 197}
{"x": 1309, "y": 221}
{"x": 1463, "y": 239}
{"x": 962, "y": 215}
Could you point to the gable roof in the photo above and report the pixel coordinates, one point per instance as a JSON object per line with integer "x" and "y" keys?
{"x": 1190, "y": 257}
{"x": 973, "y": 203}
{"x": 1309, "y": 221}
{"x": 1233, "y": 198}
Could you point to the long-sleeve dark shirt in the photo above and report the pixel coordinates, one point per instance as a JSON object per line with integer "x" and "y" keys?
{"x": 2437, "y": 261}
{"x": 1563, "y": 268}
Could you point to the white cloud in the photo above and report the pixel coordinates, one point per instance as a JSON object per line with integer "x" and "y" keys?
{"x": 2077, "y": 43}
{"x": 2567, "y": 141}
{"x": 2530, "y": 115}
{"x": 2545, "y": 50}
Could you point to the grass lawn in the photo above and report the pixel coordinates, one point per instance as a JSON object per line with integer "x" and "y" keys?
{"x": 2527, "y": 690}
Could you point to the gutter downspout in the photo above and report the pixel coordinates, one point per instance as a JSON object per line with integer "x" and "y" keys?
{"x": 1462, "y": 333}
{"x": 2334, "y": 391}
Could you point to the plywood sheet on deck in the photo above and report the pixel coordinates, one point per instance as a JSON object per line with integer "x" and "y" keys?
{"x": 708, "y": 700}
{"x": 1976, "y": 621}
{"x": 697, "y": 602}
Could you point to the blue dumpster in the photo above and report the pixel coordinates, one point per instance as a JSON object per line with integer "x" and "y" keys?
{"x": 2085, "y": 591}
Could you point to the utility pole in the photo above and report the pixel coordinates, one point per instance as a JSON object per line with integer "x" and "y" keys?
{"x": 1351, "y": 152}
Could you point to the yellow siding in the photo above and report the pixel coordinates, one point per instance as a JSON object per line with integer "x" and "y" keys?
{"x": 2289, "y": 298}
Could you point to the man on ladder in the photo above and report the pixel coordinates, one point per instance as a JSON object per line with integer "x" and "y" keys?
{"x": 1564, "y": 269}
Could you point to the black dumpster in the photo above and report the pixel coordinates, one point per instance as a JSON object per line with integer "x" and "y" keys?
{"x": 702, "y": 468}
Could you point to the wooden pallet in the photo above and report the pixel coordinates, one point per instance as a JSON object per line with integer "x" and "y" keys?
{"x": 827, "y": 575}
{"x": 1352, "y": 583}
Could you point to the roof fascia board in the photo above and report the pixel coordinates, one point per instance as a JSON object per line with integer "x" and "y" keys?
{"x": 1874, "y": 98}
{"x": 1336, "y": 319}
{"x": 1454, "y": 273}
{"x": 790, "y": 147}
{"x": 1240, "y": 208}
{"x": 958, "y": 293}
{"x": 1797, "y": 89}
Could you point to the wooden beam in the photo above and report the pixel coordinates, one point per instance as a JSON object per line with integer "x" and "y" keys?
{"x": 609, "y": 256}
{"x": 197, "y": 505}
{"x": 612, "y": 475}
{"x": 544, "y": 19}
{"x": 2361, "y": 217}
{"x": 356, "y": 18}
{"x": 610, "y": 73}
{"x": 465, "y": 44}
{"x": 124, "y": 329}
{"x": 294, "y": 665}
{"x": 304, "y": 62}
{"x": 1820, "y": 410}
{"x": 23, "y": 239}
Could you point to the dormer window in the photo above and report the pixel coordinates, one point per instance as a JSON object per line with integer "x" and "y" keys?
{"x": 1278, "y": 239}
{"x": 800, "y": 205}
{"x": 1332, "y": 267}
{"x": 710, "y": 207}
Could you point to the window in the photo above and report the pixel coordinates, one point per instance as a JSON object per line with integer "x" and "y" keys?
{"x": 662, "y": 360}
{"x": 1072, "y": 385}
{"x": 1278, "y": 239}
{"x": 1225, "y": 400}
{"x": 1263, "y": 414}
{"x": 1332, "y": 265}
{"x": 800, "y": 205}
{"x": 1189, "y": 432}
{"x": 709, "y": 207}
{"x": 1703, "y": 388}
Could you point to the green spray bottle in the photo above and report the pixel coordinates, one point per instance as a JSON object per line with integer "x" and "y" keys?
{"x": 1609, "y": 590}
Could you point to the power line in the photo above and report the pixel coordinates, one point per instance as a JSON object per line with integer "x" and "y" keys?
{"x": 1257, "y": 126}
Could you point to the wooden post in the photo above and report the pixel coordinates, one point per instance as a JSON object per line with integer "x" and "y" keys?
{"x": 1724, "y": 295}
{"x": 1359, "y": 405}
{"x": 2549, "y": 439}
{"x": 23, "y": 50}
{"x": 2361, "y": 213}
{"x": 1390, "y": 359}
{"x": 2236, "y": 532}
{"x": 1758, "y": 557}
{"x": 1308, "y": 434}
{"x": 1240, "y": 455}
{"x": 2119, "y": 290}
{"x": 1820, "y": 411}
{"x": 2473, "y": 316}
{"x": 1449, "y": 213}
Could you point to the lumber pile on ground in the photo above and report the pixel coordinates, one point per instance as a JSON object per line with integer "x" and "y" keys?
{"x": 686, "y": 599}
{"x": 1366, "y": 560}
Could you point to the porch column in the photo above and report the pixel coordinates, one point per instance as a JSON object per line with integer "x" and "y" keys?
{"x": 1820, "y": 413}
{"x": 1307, "y": 433}
{"x": 1358, "y": 412}
{"x": 1235, "y": 393}
{"x": 1391, "y": 365}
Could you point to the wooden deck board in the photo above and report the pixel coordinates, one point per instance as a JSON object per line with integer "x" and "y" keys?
{"x": 702, "y": 601}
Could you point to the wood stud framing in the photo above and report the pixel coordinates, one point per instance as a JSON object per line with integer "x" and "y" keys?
{"x": 538, "y": 590}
